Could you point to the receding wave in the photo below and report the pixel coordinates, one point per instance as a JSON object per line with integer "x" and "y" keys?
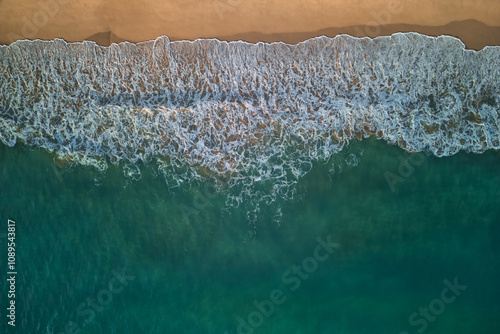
{"x": 247, "y": 112}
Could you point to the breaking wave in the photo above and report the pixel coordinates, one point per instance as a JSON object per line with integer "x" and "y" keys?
{"x": 247, "y": 112}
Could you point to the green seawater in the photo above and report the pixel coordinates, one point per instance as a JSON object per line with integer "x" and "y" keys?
{"x": 103, "y": 253}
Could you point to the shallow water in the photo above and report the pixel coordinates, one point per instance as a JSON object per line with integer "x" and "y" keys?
{"x": 196, "y": 264}
{"x": 247, "y": 112}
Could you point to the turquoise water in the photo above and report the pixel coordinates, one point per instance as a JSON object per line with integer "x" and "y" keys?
{"x": 193, "y": 264}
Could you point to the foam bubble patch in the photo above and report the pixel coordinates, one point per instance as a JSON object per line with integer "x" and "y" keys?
{"x": 245, "y": 112}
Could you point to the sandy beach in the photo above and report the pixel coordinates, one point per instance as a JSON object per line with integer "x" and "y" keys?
{"x": 268, "y": 20}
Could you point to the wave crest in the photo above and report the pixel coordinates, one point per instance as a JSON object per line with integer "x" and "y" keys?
{"x": 247, "y": 112}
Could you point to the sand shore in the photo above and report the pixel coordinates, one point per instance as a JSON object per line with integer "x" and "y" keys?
{"x": 474, "y": 34}
{"x": 268, "y": 20}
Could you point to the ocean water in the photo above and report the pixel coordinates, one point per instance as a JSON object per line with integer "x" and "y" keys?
{"x": 340, "y": 185}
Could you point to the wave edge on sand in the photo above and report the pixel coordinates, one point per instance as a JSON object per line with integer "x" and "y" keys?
{"x": 243, "y": 111}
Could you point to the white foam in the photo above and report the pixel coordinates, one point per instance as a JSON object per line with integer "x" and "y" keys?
{"x": 247, "y": 112}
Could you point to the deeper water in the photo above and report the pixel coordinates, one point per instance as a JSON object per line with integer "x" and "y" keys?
{"x": 194, "y": 265}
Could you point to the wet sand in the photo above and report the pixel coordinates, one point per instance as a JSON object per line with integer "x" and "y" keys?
{"x": 474, "y": 34}
{"x": 268, "y": 20}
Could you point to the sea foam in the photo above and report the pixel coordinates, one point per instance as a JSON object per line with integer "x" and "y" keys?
{"x": 247, "y": 112}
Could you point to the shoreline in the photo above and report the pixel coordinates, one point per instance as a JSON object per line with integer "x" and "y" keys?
{"x": 474, "y": 34}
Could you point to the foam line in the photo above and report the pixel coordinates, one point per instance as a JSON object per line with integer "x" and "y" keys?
{"x": 247, "y": 111}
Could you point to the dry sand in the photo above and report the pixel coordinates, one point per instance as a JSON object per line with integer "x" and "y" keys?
{"x": 269, "y": 20}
